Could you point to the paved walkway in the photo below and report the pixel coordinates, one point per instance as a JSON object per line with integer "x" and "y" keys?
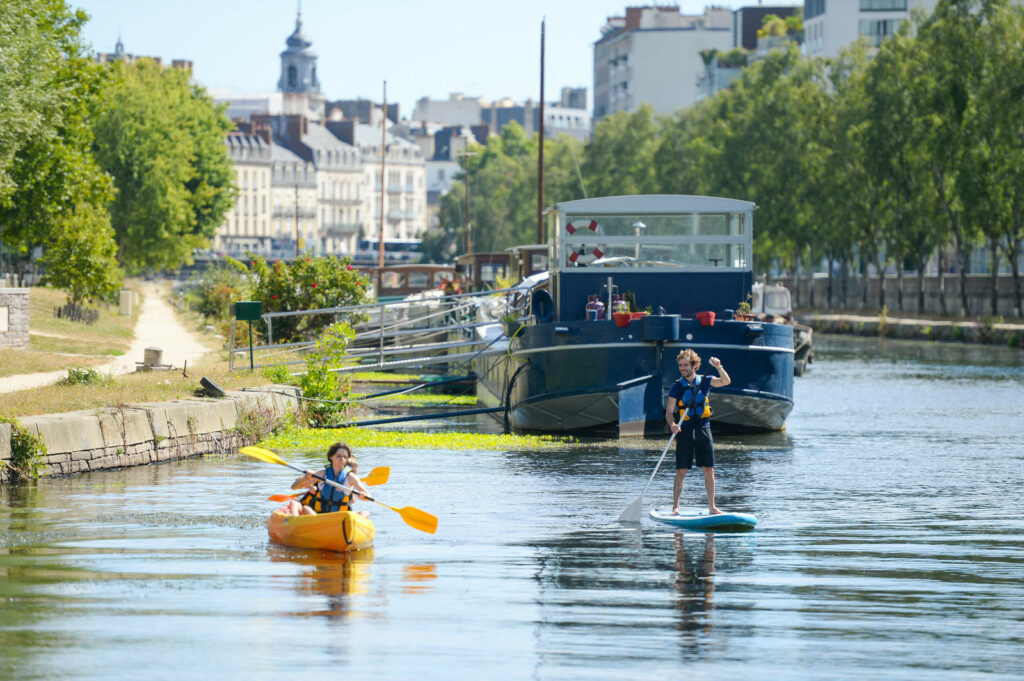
{"x": 158, "y": 327}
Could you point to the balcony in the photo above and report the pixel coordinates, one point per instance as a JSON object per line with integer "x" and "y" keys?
{"x": 340, "y": 229}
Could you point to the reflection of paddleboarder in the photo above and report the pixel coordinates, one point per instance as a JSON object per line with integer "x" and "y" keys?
{"x": 688, "y": 403}
{"x": 695, "y": 583}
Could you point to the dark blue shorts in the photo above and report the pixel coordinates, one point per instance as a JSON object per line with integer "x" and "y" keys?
{"x": 695, "y": 444}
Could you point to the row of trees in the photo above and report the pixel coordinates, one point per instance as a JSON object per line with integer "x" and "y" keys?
{"x": 108, "y": 168}
{"x": 914, "y": 153}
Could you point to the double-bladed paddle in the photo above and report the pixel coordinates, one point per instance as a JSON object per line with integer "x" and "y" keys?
{"x": 414, "y": 517}
{"x": 634, "y": 511}
{"x": 378, "y": 476}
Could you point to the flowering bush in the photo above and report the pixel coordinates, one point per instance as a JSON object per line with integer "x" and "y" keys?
{"x": 307, "y": 284}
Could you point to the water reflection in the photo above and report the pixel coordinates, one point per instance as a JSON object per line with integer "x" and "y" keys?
{"x": 337, "y": 577}
{"x": 694, "y": 582}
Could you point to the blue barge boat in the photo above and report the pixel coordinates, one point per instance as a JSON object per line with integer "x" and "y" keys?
{"x": 681, "y": 256}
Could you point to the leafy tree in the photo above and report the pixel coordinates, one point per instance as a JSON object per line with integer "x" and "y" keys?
{"x": 82, "y": 257}
{"x": 307, "y": 284}
{"x": 55, "y": 194}
{"x": 161, "y": 138}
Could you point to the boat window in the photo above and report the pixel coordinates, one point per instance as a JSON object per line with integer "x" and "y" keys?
{"x": 417, "y": 279}
{"x": 704, "y": 224}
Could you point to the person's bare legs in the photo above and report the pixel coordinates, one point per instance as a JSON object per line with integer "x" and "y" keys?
{"x": 709, "y": 485}
{"x": 677, "y": 489}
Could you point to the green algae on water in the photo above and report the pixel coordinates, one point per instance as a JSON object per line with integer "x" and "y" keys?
{"x": 319, "y": 439}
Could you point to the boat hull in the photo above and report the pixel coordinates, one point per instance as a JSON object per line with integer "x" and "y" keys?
{"x": 570, "y": 377}
{"x": 341, "y": 531}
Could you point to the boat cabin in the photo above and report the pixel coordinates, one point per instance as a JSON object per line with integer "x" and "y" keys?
{"x": 667, "y": 254}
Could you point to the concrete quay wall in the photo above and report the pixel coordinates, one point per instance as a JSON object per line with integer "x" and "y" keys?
{"x": 140, "y": 434}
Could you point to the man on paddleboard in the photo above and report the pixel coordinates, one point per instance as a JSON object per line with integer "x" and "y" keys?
{"x": 688, "y": 404}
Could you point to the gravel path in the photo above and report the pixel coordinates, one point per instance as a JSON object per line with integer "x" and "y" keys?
{"x": 157, "y": 327}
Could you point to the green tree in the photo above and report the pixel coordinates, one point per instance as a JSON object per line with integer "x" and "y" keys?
{"x": 54, "y": 194}
{"x": 82, "y": 258}
{"x": 161, "y": 138}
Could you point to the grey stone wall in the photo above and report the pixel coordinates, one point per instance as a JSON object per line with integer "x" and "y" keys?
{"x": 147, "y": 433}
{"x": 14, "y": 317}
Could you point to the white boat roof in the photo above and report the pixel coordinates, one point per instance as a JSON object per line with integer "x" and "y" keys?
{"x": 656, "y": 204}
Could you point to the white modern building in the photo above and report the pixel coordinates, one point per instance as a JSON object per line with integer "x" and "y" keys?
{"x": 653, "y": 55}
{"x": 831, "y": 25}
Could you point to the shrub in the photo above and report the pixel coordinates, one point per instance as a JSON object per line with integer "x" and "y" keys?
{"x": 84, "y": 377}
{"x": 326, "y": 390}
{"x": 307, "y": 284}
{"x": 27, "y": 450}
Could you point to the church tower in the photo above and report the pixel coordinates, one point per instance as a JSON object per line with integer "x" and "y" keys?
{"x": 299, "y": 81}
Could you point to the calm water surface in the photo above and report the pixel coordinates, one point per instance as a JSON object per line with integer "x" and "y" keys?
{"x": 891, "y": 546}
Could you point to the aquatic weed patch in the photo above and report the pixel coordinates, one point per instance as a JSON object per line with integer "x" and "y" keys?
{"x": 313, "y": 439}
{"x": 417, "y": 400}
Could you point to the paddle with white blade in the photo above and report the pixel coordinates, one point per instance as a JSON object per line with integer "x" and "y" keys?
{"x": 635, "y": 511}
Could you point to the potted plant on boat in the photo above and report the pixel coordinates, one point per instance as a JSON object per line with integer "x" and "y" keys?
{"x": 512, "y": 324}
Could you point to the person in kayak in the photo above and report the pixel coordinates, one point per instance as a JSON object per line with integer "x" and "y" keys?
{"x": 324, "y": 498}
{"x": 688, "y": 404}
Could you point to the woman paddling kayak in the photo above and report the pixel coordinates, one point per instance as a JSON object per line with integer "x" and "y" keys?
{"x": 325, "y": 498}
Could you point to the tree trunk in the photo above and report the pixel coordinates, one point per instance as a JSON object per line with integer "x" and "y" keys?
{"x": 899, "y": 285}
{"x": 943, "y": 310}
{"x": 828, "y": 293}
{"x": 993, "y": 248}
{"x": 881, "y": 284}
{"x": 921, "y": 265}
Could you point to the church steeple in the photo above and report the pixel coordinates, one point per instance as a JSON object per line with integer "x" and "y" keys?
{"x": 298, "y": 63}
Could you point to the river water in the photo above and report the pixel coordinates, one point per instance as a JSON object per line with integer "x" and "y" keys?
{"x": 890, "y": 546}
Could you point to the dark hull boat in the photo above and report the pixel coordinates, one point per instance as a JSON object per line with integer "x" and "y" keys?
{"x": 684, "y": 256}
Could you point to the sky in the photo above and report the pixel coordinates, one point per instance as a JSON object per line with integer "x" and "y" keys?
{"x": 422, "y": 48}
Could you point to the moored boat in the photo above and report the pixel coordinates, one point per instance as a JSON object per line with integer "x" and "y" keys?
{"x": 576, "y": 365}
{"x": 339, "y": 531}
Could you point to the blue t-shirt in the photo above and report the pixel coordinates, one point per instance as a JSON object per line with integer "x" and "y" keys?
{"x": 676, "y": 392}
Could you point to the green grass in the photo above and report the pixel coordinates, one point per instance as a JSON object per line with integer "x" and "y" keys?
{"x": 314, "y": 439}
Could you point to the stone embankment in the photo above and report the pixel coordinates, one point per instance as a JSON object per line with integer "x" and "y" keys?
{"x": 988, "y": 332}
{"x": 140, "y": 434}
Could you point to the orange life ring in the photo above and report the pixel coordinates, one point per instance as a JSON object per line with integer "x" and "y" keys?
{"x": 585, "y": 255}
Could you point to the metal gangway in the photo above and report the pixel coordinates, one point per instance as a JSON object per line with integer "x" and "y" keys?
{"x": 414, "y": 332}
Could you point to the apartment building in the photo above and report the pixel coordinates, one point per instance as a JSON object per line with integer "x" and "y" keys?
{"x": 653, "y": 55}
{"x": 831, "y": 25}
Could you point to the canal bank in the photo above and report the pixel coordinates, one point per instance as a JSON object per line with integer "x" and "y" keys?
{"x": 986, "y": 331}
{"x": 140, "y": 434}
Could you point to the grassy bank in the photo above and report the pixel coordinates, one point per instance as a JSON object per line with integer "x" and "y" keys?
{"x": 56, "y": 344}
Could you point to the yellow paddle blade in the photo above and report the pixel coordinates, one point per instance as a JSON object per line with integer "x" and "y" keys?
{"x": 378, "y": 476}
{"x": 414, "y": 517}
{"x": 263, "y": 455}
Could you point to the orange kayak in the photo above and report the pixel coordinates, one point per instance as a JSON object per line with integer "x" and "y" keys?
{"x": 340, "y": 531}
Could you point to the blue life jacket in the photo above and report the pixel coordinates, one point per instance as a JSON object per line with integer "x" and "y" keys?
{"x": 693, "y": 406}
{"x": 328, "y": 498}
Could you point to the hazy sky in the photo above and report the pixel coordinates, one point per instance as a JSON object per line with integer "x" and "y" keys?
{"x": 480, "y": 48}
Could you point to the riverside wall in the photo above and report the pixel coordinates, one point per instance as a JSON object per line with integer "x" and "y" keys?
{"x": 978, "y": 288}
{"x": 140, "y": 434}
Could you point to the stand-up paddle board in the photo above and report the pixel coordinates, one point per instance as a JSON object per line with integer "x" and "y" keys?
{"x": 723, "y": 522}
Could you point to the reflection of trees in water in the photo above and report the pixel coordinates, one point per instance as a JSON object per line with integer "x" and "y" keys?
{"x": 694, "y": 581}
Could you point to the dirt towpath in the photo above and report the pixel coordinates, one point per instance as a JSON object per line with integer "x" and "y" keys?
{"x": 158, "y": 327}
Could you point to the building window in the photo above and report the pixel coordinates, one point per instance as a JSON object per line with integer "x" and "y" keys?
{"x": 877, "y": 30}
{"x": 883, "y": 5}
